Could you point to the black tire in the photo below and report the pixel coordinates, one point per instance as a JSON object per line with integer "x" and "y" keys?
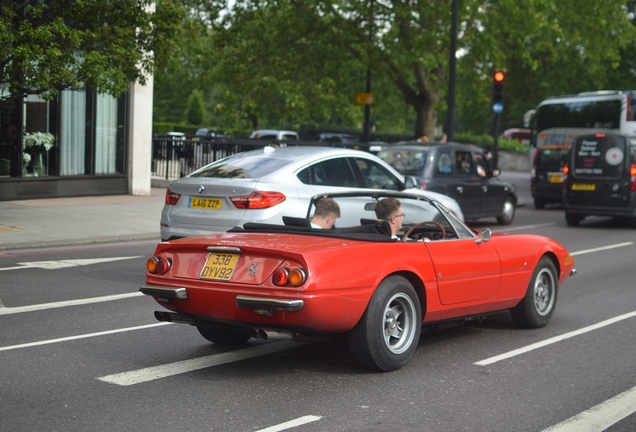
{"x": 573, "y": 219}
{"x": 387, "y": 335}
{"x": 537, "y": 307}
{"x": 224, "y": 335}
{"x": 507, "y": 212}
{"x": 539, "y": 203}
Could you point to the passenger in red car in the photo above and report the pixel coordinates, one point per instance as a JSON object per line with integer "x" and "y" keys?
{"x": 390, "y": 210}
{"x": 327, "y": 211}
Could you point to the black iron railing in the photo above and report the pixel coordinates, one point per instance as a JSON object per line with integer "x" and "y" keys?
{"x": 176, "y": 156}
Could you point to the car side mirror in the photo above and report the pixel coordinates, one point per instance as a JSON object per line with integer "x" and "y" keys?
{"x": 485, "y": 236}
{"x": 410, "y": 182}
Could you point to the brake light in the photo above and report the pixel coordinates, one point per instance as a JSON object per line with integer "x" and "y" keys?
{"x": 566, "y": 169}
{"x": 171, "y": 197}
{"x": 632, "y": 173}
{"x": 284, "y": 276}
{"x": 156, "y": 265}
{"x": 258, "y": 200}
{"x": 600, "y": 135}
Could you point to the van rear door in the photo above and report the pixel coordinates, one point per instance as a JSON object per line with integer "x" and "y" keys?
{"x": 599, "y": 174}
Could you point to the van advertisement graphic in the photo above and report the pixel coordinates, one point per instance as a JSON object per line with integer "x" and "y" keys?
{"x": 595, "y": 157}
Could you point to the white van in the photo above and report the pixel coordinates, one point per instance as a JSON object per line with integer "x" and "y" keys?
{"x": 273, "y": 134}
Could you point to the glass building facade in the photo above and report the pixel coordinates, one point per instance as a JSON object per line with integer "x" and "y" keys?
{"x": 73, "y": 145}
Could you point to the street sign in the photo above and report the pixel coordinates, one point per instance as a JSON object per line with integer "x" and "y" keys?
{"x": 364, "y": 98}
{"x": 497, "y": 107}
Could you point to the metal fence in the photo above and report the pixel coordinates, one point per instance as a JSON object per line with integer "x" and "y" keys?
{"x": 175, "y": 156}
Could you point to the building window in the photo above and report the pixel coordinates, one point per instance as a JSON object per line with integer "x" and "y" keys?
{"x": 80, "y": 133}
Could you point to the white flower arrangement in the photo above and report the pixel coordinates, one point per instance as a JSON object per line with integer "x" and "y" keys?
{"x": 26, "y": 158}
{"x": 41, "y": 140}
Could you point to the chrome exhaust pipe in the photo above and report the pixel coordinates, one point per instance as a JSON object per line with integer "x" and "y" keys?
{"x": 277, "y": 335}
{"x": 174, "y": 317}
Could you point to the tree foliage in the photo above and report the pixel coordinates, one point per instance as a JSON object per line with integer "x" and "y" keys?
{"x": 48, "y": 46}
{"x": 283, "y": 63}
{"x": 195, "y": 113}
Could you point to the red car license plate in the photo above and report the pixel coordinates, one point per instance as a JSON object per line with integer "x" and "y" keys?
{"x": 219, "y": 266}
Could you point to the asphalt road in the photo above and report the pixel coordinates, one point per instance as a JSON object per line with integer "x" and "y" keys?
{"x": 80, "y": 350}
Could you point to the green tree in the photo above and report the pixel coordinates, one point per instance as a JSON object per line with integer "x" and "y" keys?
{"x": 48, "y": 46}
{"x": 195, "y": 113}
{"x": 546, "y": 48}
{"x": 284, "y": 63}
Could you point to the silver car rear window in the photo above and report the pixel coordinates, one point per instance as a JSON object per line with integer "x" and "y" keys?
{"x": 253, "y": 166}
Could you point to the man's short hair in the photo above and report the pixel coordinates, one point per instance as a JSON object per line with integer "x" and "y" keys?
{"x": 326, "y": 207}
{"x": 386, "y": 207}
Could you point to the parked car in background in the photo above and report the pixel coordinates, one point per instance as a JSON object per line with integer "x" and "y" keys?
{"x": 459, "y": 171}
{"x": 546, "y": 176}
{"x": 521, "y": 135}
{"x": 376, "y": 146}
{"x": 210, "y": 133}
{"x": 330, "y": 137}
{"x": 266, "y": 184}
{"x": 289, "y": 282}
{"x": 274, "y": 134}
{"x": 600, "y": 178}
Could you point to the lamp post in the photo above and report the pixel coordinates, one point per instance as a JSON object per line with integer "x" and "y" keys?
{"x": 450, "y": 115}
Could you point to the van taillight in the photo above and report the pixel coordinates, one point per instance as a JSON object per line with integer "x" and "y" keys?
{"x": 566, "y": 168}
{"x": 632, "y": 173}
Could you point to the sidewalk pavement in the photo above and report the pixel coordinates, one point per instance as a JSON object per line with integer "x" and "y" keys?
{"x": 42, "y": 223}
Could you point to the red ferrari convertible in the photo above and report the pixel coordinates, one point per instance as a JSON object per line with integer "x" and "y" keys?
{"x": 292, "y": 281}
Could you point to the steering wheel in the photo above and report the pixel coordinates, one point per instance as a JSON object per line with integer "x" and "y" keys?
{"x": 416, "y": 226}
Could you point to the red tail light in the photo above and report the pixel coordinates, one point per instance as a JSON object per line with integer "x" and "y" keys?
{"x": 171, "y": 197}
{"x": 600, "y": 135}
{"x": 284, "y": 276}
{"x": 632, "y": 173}
{"x": 258, "y": 200}
{"x": 566, "y": 169}
{"x": 156, "y": 265}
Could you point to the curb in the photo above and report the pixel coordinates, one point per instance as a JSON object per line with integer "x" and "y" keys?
{"x": 80, "y": 242}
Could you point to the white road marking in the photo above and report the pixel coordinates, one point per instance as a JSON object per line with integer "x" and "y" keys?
{"x": 84, "y": 336}
{"x": 176, "y": 368}
{"x": 524, "y": 227}
{"x": 291, "y": 424}
{"x": 555, "y": 339}
{"x": 54, "y": 265}
{"x": 602, "y": 248}
{"x": 600, "y": 417}
{"x": 42, "y": 306}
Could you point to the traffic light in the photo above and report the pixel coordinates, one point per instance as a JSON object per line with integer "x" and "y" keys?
{"x": 498, "y": 91}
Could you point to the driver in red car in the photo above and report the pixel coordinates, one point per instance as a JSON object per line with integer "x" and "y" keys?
{"x": 390, "y": 210}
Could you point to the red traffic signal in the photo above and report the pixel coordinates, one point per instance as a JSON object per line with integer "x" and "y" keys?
{"x": 498, "y": 91}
